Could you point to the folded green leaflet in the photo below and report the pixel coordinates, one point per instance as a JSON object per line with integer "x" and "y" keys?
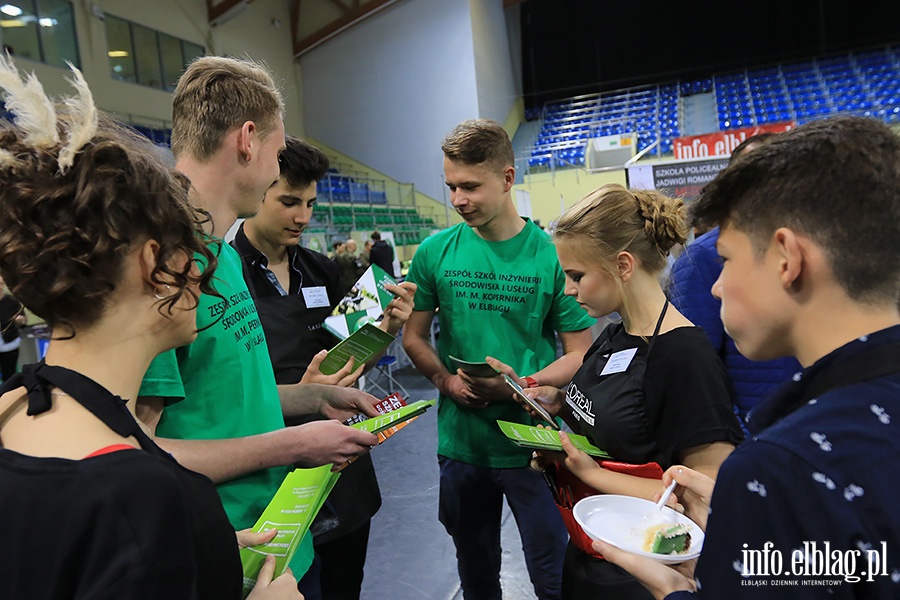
{"x": 539, "y": 438}
{"x": 363, "y": 344}
{"x": 389, "y": 419}
{"x": 291, "y": 512}
{"x": 475, "y": 369}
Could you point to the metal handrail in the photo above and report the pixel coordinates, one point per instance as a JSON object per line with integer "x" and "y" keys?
{"x": 641, "y": 154}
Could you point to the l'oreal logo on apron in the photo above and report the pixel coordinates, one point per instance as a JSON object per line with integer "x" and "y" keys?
{"x": 581, "y": 405}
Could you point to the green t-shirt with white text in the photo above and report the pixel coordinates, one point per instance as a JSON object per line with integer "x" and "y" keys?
{"x": 226, "y": 379}
{"x": 501, "y": 299}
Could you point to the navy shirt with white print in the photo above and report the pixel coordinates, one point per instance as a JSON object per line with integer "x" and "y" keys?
{"x": 817, "y": 488}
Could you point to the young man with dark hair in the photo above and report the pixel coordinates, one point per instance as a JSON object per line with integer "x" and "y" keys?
{"x": 690, "y": 282}
{"x": 809, "y": 228}
{"x": 228, "y": 424}
{"x": 499, "y": 287}
{"x": 295, "y": 289}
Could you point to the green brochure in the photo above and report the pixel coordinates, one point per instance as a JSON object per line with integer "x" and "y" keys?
{"x": 365, "y": 342}
{"x": 291, "y": 512}
{"x": 538, "y": 438}
{"x": 475, "y": 369}
{"x": 364, "y": 303}
{"x": 395, "y": 417}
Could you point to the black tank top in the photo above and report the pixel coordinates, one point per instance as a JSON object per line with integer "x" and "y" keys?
{"x": 128, "y": 524}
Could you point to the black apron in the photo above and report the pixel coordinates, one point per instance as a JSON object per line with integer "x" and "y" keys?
{"x": 294, "y": 334}
{"x": 610, "y": 409}
{"x": 611, "y": 412}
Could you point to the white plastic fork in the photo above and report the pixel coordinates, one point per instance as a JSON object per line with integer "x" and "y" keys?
{"x": 659, "y": 515}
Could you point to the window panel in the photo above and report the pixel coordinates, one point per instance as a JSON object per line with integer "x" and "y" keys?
{"x": 19, "y": 28}
{"x": 142, "y": 55}
{"x": 120, "y": 49}
{"x": 191, "y": 52}
{"x": 172, "y": 60}
{"x": 146, "y": 49}
{"x": 56, "y": 27}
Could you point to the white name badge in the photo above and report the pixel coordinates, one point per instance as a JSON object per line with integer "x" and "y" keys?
{"x": 316, "y": 297}
{"x": 619, "y": 361}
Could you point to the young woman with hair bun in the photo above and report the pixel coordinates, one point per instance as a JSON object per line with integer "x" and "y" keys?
{"x": 668, "y": 400}
{"x": 97, "y": 237}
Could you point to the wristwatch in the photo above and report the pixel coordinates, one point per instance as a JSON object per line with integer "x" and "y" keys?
{"x": 531, "y": 382}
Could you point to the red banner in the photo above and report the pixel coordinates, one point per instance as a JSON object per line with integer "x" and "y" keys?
{"x": 721, "y": 143}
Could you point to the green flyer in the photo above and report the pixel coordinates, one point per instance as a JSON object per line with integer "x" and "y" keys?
{"x": 393, "y": 418}
{"x": 291, "y": 512}
{"x": 539, "y": 438}
{"x": 365, "y": 343}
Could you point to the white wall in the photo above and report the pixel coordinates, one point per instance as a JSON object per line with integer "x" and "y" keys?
{"x": 387, "y": 90}
{"x": 514, "y": 31}
{"x": 263, "y": 32}
{"x": 493, "y": 63}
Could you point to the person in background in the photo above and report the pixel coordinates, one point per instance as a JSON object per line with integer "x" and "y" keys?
{"x": 690, "y": 283}
{"x": 668, "y": 402}
{"x": 808, "y": 229}
{"x": 11, "y": 318}
{"x": 295, "y": 289}
{"x": 99, "y": 240}
{"x": 457, "y": 271}
{"x": 367, "y": 248}
{"x": 338, "y": 248}
{"x": 382, "y": 254}
{"x": 226, "y": 136}
{"x": 350, "y": 265}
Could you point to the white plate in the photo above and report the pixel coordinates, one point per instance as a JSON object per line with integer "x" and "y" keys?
{"x": 619, "y": 520}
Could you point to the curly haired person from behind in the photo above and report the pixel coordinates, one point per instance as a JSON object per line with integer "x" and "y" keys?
{"x": 97, "y": 238}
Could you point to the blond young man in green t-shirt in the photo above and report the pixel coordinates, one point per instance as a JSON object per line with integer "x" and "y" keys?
{"x": 499, "y": 288}
{"x": 227, "y": 132}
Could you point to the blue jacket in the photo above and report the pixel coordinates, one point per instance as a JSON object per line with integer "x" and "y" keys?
{"x": 690, "y": 286}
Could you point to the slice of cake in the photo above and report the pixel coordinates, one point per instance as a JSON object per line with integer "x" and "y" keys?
{"x": 666, "y": 538}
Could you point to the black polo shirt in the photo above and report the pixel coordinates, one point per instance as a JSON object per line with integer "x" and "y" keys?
{"x": 308, "y": 269}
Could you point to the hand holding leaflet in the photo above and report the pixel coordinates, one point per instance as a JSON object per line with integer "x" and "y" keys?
{"x": 393, "y": 418}
{"x": 291, "y": 512}
{"x": 395, "y": 415}
{"x": 474, "y": 369}
{"x": 538, "y": 438}
{"x": 534, "y": 404}
{"x": 303, "y": 493}
{"x": 353, "y": 321}
{"x": 362, "y": 345}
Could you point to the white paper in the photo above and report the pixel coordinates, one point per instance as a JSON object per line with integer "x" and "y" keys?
{"x": 316, "y": 297}
{"x": 619, "y": 361}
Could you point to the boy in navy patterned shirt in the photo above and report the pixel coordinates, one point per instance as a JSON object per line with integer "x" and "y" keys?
{"x": 810, "y": 224}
